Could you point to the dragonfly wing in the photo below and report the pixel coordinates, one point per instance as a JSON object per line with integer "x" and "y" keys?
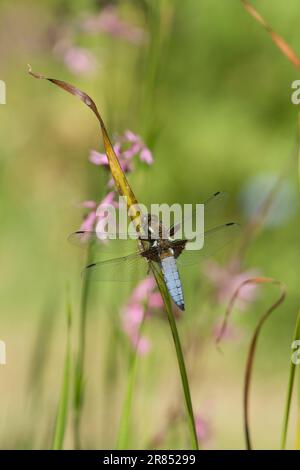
{"x": 107, "y": 242}
{"x": 213, "y": 208}
{"x": 123, "y": 269}
{"x": 214, "y": 240}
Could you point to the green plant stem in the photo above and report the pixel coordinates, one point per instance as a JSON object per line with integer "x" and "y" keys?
{"x": 180, "y": 360}
{"x": 79, "y": 370}
{"x": 298, "y": 417}
{"x": 124, "y": 429}
{"x": 159, "y": 20}
{"x": 290, "y": 390}
{"x": 62, "y": 410}
{"x": 298, "y": 144}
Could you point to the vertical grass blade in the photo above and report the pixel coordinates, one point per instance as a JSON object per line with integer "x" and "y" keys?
{"x": 180, "y": 359}
{"x": 125, "y": 190}
{"x": 78, "y": 397}
{"x": 289, "y": 395}
{"x": 298, "y": 156}
{"x": 123, "y": 439}
{"x": 62, "y": 410}
{"x": 298, "y": 417}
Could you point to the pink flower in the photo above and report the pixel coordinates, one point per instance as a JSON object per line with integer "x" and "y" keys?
{"x": 231, "y": 333}
{"x": 138, "y": 147}
{"x": 202, "y": 428}
{"x": 143, "y": 300}
{"x": 97, "y": 212}
{"x": 146, "y": 156}
{"x": 128, "y": 146}
{"x": 79, "y": 60}
{"x": 88, "y": 204}
{"x": 98, "y": 158}
{"x": 226, "y": 280}
{"x": 89, "y": 222}
{"x": 142, "y": 291}
{"x": 109, "y": 21}
{"x": 155, "y": 300}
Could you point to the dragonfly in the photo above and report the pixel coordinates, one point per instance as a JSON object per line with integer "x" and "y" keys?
{"x": 163, "y": 252}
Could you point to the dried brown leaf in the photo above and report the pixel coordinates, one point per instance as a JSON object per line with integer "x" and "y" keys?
{"x": 252, "y": 348}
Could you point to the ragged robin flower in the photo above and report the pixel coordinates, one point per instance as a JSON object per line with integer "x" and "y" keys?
{"x": 127, "y": 147}
{"x": 142, "y": 303}
{"x": 94, "y": 218}
{"x": 226, "y": 279}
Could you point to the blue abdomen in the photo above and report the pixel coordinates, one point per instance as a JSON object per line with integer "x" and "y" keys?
{"x": 172, "y": 280}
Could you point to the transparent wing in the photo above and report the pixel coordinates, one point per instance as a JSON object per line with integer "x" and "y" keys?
{"x": 123, "y": 269}
{"x": 214, "y": 240}
{"x": 82, "y": 238}
{"x": 213, "y": 208}
{"x": 107, "y": 242}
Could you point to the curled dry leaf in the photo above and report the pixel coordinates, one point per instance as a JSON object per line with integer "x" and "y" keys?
{"x": 252, "y": 348}
{"x": 118, "y": 174}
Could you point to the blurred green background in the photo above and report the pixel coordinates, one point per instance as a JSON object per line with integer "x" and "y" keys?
{"x": 209, "y": 93}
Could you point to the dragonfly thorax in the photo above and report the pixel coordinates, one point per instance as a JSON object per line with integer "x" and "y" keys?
{"x": 153, "y": 228}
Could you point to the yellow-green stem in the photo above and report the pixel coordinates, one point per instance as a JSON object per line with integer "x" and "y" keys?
{"x": 180, "y": 360}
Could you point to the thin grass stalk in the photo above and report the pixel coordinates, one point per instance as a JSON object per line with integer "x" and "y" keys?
{"x": 290, "y": 392}
{"x": 298, "y": 417}
{"x": 281, "y": 44}
{"x": 159, "y": 19}
{"x": 124, "y": 428}
{"x": 253, "y": 343}
{"x": 180, "y": 360}
{"x": 62, "y": 410}
{"x": 122, "y": 442}
{"x": 124, "y": 189}
{"x": 298, "y": 156}
{"x": 78, "y": 398}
